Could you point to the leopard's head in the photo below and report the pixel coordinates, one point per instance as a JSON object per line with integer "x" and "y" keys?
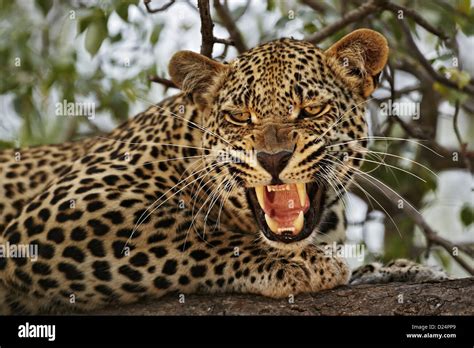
{"x": 285, "y": 124}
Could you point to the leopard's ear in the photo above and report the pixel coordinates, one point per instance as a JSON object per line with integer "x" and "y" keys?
{"x": 194, "y": 73}
{"x": 359, "y": 57}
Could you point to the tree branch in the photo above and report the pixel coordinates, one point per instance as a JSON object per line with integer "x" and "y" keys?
{"x": 162, "y": 8}
{"x": 316, "y": 5}
{"x": 206, "y": 28}
{"x": 416, "y": 17}
{"x": 449, "y": 297}
{"x": 413, "y": 48}
{"x": 350, "y": 17}
{"x": 231, "y": 27}
{"x": 431, "y": 236}
{"x": 462, "y": 144}
{"x": 227, "y": 42}
{"x": 165, "y": 82}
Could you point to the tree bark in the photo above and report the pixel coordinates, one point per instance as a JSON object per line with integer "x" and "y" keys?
{"x": 450, "y": 297}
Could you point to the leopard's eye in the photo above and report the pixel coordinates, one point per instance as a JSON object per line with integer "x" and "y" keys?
{"x": 314, "y": 111}
{"x": 238, "y": 118}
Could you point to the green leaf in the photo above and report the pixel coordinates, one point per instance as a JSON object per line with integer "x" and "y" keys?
{"x": 463, "y": 6}
{"x": 270, "y": 5}
{"x": 282, "y": 22}
{"x": 119, "y": 107}
{"x": 451, "y": 94}
{"x": 467, "y": 215}
{"x": 84, "y": 22}
{"x": 155, "y": 35}
{"x": 460, "y": 77}
{"x": 310, "y": 28}
{"x": 95, "y": 35}
{"x": 45, "y": 5}
{"x": 116, "y": 38}
{"x": 122, "y": 10}
{"x": 6, "y": 144}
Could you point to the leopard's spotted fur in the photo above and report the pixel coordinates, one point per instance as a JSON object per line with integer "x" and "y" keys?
{"x": 149, "y": 209}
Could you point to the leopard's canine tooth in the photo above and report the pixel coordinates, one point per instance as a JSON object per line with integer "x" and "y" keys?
{"x": 301, "y": 193}
{"x": 259, "y": 190}
{"x": 299, "y": 222}
{"x": 272, "y": 224}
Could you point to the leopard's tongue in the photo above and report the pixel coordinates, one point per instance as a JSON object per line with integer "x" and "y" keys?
{"x": 284, "y": 206}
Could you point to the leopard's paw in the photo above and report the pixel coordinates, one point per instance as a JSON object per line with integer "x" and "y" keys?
{"x": 400, "y": 270}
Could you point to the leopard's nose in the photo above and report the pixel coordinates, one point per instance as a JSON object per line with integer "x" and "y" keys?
{"x": 274, "y": 163}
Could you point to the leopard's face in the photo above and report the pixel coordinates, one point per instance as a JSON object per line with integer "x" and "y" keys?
{"x": 285, "y": 127}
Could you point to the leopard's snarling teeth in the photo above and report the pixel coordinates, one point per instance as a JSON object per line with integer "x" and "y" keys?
{"x": 284, "y": 207}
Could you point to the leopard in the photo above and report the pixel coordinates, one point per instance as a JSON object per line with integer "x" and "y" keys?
{"x": 233, "y": 185}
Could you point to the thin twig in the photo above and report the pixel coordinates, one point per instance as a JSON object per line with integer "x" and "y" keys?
{"x": 228, "y": 42}
{"x": 162, "y": 8}
{"x": 462, "y": 144}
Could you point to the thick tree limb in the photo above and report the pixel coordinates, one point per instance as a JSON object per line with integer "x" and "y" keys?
{"x": 450, "y": 297}
{"x": 206, "y": 28}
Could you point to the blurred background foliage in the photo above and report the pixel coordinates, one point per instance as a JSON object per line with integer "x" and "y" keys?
{"x": 105, "y": 51}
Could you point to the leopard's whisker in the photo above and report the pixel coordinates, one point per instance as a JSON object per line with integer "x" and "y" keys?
{"x": 216, "y": 195}
{"x": 167, "y": 160}
{"x": 327, "y": 176}
{"x": 376, "y": 201}
{"x": 370, "y": 177}
{"x": 382, "y": 183}
{"x": 180, "y": 181}
{"x": 377, "y": 138}
{"x": 198, "y": 126}
{"x": 226, "y": 197}
{"x": 391, "y": 166}
{"x": 202, "y": 187}
{"x": 194, "y": 216}
{"x": 209, "y": 196}
{"x": 156, "y": 144}
{"x": 341, "y": 117}
{"x": 369, "y": 152}
{"x": 141, "y": 218}
{"x": 347, "y": 176}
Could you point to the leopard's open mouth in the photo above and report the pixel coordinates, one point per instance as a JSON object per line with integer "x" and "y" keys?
{"x": 286, "y": 213}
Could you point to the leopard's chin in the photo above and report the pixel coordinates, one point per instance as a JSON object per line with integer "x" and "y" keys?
{"x": 286, "y": 213}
